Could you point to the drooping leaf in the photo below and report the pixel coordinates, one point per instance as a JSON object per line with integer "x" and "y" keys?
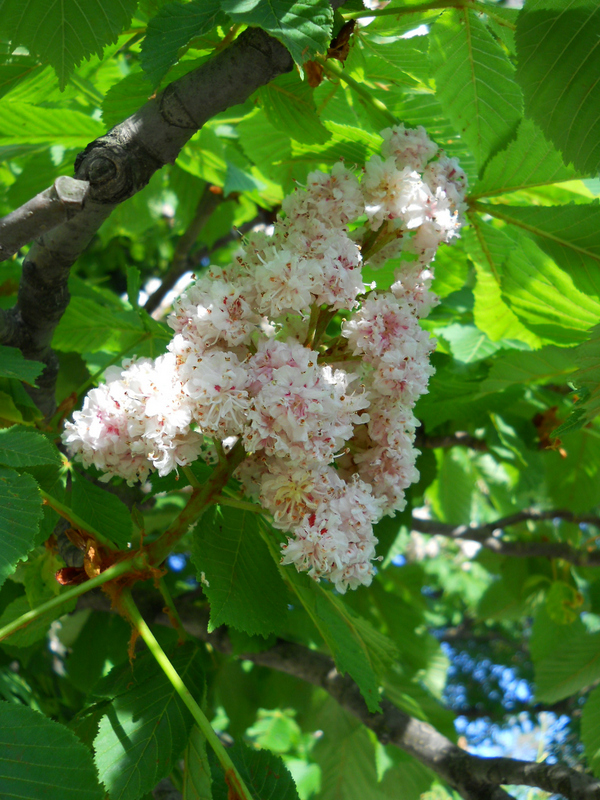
{"x": 20, "y": 515}
{"x": 101, "y": 644}
{"x": 102, "y": 509}
{"x": 545, "y": 298}
{"x": 30, "y": 768}
{"x": 529, "y": 160}
{"x": 175, "y": 25}
{"x": 35, "y": 630}
{"x": 264, "y": 774}
{"x": 238, "y": 574}
{"x": 451, "y": 494}
{"x": 145, "y": 729}
{"x": 587, "y": 379}
{"x": 304, "y": 26}
{"x": 13, "y": 364}
{"x": 20, "y": 447}
{"x": 557, "y": 52}
{"x": 475, "y": 82}
{"x": 64, "y": 33}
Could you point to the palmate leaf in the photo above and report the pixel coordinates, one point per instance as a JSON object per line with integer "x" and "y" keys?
{"x": 529, "y": 160}
{"x": 238, "y": 573}
{"x": 145, "y": 729}
{"x": 557, "y": 50}
{"x": 41, "y": 758}
{"x": 475, "y": 82}
{"x": 175, "y": 25}
{"x": 304, "y": 26}
{"x": 67, "y": 32}
{"x": 570, "y": 668}
{"x": 20, "y": 515}
{"x": 586, "y": 379}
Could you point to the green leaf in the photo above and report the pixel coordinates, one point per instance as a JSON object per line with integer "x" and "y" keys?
{"x": 30, "y": 768}
{"x": 35, "y": 630}
{"x": 467, "y": 343}
{"x": 101, "y": 644}
{"x": 587, "y": 377}
{"x": 20, "y": 447}
{"x": 196, "y": 774}
{"x": 304, "y": 27}
{"x": 289, "y": 106}
{"x": 346, "y": 755}
{"x": 20, "y": 515}
{"x": 570, "y": 668}
{"x": 338, "y": 627}
{"x": 590, "y": 730}
{"x": 125, "y": 97}
{"x": 64, "y": 33}
{"x": 175, "y": 25}
{"x": 134, "y": 284}
{"x": 451, "y": 494}
{"x": 87, "y": 326}
{"x": 13, "y": 364}
{"x": 548, "y": 365}
{"x": 573, "y": 481}
{"x": 145, "y": 729}
{"x": 264, "y": 773}
{"x": 475, "y": 82}
{"x": 22, "y": 123}
{"x": 238, "y": 573}
{"x": 545, "y": 298}
{"x": 102, "y": 509}
{"x": 569, "y": 234}
{"x": 489, "y": 248}
{"x": 529, "y": 160}
{"x": 557, "y": 52}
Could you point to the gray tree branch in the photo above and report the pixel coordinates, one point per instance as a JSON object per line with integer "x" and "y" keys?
{"x": 118, "y": 165}
{"x": 53, "y": 206}
{"x": 490, "y": 536}
{"x": 473, "y": 777}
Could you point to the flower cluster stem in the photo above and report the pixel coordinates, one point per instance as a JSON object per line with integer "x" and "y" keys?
{"x": 232, "y": 776}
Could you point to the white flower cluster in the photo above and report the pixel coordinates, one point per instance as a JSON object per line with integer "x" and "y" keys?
{"x": 326, "y": 420}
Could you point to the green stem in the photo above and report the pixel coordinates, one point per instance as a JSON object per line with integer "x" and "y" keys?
{"x": 76, "y": 521}
{"x": 108, "y": 575}
{"x": 245, "y": 506}
{"x": 312, "y": 325}
{"x": 331, "y": 68}
{"x": 232, "y": 776}
{"x": 189, "y": 474}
